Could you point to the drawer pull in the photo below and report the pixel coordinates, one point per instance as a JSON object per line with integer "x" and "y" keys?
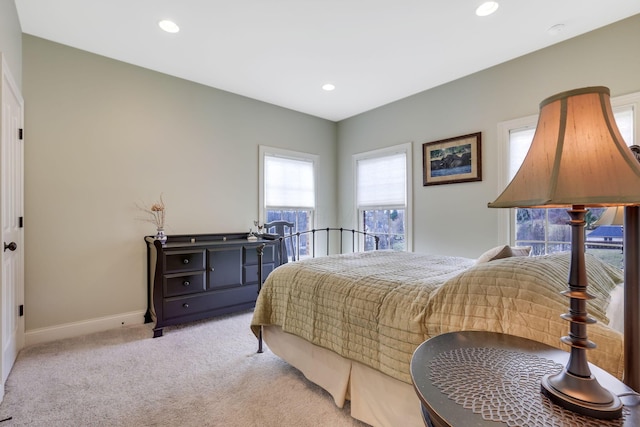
{"x": 186, "y": 283}
{"x": 185, "y": 305}
{"x": 185, "y": 261}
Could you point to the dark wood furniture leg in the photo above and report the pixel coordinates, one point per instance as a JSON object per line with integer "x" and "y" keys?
{"x": 260, "y": 249}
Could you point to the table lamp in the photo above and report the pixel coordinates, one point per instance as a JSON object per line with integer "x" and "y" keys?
{"x": 577, "y": 159}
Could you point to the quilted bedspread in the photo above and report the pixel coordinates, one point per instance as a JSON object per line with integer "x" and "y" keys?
{"x": 377, "y": 307}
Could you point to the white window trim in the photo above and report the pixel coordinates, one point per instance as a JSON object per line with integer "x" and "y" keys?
{"x": 506, "y": 230}
{"x": 263, "y": 151}
{"x": 405, "y": 148}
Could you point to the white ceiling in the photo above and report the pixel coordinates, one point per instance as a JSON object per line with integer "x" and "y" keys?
{"x": 282, "y": 51}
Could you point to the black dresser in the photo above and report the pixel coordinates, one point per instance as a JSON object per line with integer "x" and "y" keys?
{"x": 193, "y": 277}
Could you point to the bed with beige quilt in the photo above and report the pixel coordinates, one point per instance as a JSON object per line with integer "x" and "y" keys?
{"x": 351, "y": 322}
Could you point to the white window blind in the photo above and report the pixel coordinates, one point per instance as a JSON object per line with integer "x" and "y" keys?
{"x": 624, "y": 121}
{"x": 520, "y": 141}
{"x": 289, "y": 182}
{"x": 381, "y": 181}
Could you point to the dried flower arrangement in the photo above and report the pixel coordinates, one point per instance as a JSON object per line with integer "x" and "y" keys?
{"x": 155, "y": 213}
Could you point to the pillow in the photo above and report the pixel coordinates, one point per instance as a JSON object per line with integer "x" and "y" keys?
{"x": 520, "y": 250}
{"x": 502, "y": 251}
{"x": 615, "y": 309}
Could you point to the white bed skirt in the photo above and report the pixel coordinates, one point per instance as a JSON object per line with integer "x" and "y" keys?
{"x": 376, "y": 398}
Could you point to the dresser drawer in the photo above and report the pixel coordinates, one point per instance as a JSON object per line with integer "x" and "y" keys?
{"x": 183, "y": 284}
{"x": 177, "y": 261}
{"x": 191, "y": 305}
{"x": 250, "y": 273}
{"x": 250, "y": 254}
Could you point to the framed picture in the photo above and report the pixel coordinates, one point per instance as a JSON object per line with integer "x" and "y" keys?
{"x": 452, "y": 160}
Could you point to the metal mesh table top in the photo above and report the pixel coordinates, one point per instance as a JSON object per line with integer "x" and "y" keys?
{"x": 504, "y": 386}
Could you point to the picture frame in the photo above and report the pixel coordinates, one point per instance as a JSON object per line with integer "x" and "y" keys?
{"x": 452, "y": 160}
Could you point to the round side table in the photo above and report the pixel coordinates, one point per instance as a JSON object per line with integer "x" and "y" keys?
{"x": 440, "y": 411}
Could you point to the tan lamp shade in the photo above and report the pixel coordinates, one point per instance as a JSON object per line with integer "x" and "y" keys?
{"x": 577, "y": 157}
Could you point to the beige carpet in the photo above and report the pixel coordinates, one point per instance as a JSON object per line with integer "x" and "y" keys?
{"x": 200, "y": 374}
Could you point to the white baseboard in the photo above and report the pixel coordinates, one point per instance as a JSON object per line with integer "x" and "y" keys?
{"x": 69, "y": 330}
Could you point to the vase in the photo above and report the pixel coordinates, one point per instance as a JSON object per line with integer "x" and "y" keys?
{"x": 161, "y": 236}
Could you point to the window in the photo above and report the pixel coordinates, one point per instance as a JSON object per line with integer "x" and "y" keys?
{"x": 546, "y": 230}
{"x": 383, "y": 180}
{"x": 288, "y": 189}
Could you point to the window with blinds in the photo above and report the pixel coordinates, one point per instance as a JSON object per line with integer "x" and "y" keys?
{"x": 382, "y": 180}
{"x": 288, "y": 189}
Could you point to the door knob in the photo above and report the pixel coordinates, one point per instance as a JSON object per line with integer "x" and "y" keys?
{"x": 11, "y": 246}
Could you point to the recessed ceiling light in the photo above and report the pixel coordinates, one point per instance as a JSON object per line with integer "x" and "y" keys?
{"x": 487, "y": 8}
{"x": 169, "y": 26}
{"x": 328, "y": 87}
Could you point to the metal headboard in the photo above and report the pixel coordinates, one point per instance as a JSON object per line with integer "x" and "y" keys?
{"x": 293, "y": 241}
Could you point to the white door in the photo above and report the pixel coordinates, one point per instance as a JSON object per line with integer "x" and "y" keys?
{"x": 11, "y": 221}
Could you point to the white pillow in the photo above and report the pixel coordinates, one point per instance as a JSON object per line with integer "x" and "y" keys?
{"x": 615, "y": 309}
{"x": 520, "y": 250}
{"x": 502, "y": 251}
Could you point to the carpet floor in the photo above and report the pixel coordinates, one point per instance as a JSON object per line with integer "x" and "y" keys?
{"x": 199, "y": 374}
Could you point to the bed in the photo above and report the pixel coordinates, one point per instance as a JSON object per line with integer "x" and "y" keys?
{"x": 351, "y": 322}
